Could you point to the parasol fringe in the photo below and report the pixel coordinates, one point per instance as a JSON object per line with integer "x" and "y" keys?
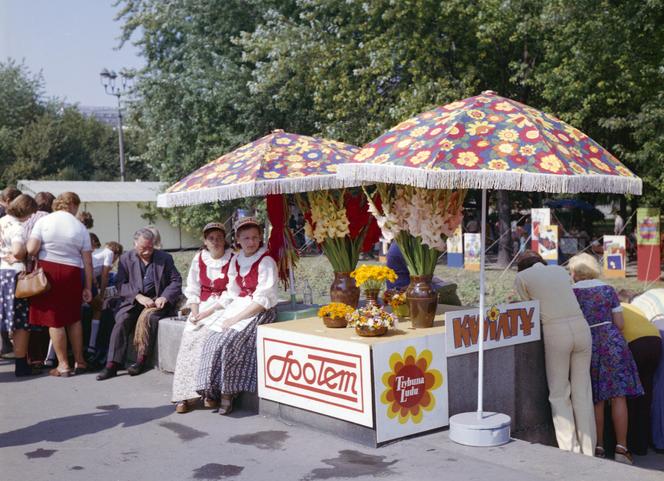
{"x": 251, "y": 189}
{"x": 483, "y": 179}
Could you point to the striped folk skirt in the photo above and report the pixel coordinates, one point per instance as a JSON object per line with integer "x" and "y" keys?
{"x": 228, "y": 360}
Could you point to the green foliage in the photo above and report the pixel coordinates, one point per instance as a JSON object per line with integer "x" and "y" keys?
{"x": 46, "y": 139}
{"x": 223, "y": 72}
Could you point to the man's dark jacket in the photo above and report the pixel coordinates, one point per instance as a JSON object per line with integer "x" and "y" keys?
{"x": 129, "y": 280}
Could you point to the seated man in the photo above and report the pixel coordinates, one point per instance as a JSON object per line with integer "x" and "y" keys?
{"x": 146, "y": 279}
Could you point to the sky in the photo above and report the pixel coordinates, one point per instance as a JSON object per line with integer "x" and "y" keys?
{"x": 70, "y": 41}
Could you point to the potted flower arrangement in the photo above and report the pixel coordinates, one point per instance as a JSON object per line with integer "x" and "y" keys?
{"x": 340, "y": 222}
{"x": 334, "y": 314}
{"x": 420, "y": 220}
{"x": 399, "y": 304}
{"x": 371, "y": 320}
{"x": 372, "y": 279}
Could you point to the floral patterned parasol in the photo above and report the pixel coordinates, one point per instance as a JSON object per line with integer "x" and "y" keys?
{"x": 490, "y": 142}
{"x": 279, "y": 163}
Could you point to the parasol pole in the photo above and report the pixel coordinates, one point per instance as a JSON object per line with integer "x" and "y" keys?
{"x": 291, "y": 277}
{"x": 481, "y": 428}
{"x": 480, "y": 335}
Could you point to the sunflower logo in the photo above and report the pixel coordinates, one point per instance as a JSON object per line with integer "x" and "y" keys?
{"x": 494, "y": 314}
{"x": 409, "y": 385}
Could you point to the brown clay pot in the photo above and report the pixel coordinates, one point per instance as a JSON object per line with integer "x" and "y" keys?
{"x": 335, "y": 322}
{"x": 371, "y": 295}
{"x": 364, "y": 332}
{"x": 343, "y": 289}
{"x": 422, "y": 301}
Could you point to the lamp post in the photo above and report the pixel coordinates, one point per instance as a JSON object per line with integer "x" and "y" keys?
{"x": 108, "y": 80}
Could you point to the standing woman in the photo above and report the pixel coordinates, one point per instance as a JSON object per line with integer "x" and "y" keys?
{"x": 13, "y": 311}
{"x": 567, "y": 351}
{"x": 228, "y": 360}
{"x": 613, "y": 372}
{"x": 63, "y": 246}
{"x": 206, "y": 282}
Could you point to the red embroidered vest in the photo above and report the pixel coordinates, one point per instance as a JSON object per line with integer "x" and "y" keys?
{"x": 208, "y": 287}
{"x": 249, "y": 282}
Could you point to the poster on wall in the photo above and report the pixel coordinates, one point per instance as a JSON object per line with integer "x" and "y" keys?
{"x": 455, "y": 249}
{"x": 614, "y": 256}
{"x": 648, "y": 239}
{"x": 505, "y": 325}
{"x": 471, "y": 251}
{"x": 547, "y": 244}
{"x": 327, "y": 376}
{"x": 410, "y": 385}
{"x": 538, "y": 217}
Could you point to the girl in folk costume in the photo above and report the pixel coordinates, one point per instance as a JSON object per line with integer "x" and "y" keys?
{"x": 206, "y": 285}
{"x": 228, "y": 361}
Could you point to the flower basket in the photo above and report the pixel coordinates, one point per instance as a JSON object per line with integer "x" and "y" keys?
{"x": 371, "y": 320}
{"x": 335, "y": 314}
{"x": 335, "y": 322}
{"x": 368, "y": 332}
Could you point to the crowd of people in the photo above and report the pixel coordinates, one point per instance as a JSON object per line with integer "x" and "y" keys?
{"x": 600, "y": 357}
{"x": 229, "y": 291}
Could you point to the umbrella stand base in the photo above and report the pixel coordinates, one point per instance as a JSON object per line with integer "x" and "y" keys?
{"x": 492, "y": 429}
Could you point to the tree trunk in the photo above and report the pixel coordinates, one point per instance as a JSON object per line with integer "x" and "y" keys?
{"x": 504, "y": 228}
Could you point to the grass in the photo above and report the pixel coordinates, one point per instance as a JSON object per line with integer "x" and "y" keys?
{"x": 317, "y": 272}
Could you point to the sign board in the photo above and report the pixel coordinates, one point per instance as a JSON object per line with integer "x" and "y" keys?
{"x": 547, "y": 244}
{"x": 538, "y": 217}
{"x": 455, "y": 249}
{"x": 647, "y": 226}
{"x": 614, "y": 256}
{"x": 505, "y": 325}
{"x": 327, "y": 376}
{"x": 648, "y": 239}
{"x": 471, "y": 251}
{"x": 410, "y": 382}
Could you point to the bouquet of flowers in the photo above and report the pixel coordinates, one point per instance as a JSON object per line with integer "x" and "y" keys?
{"x": 335, "y": 309}
{"x": 398, "y": 300}
{"x": 420, "y": 220}
{"x": 371, "y": 318}
{"x": 340, "y": 223}
{"x": 373, "y": 277}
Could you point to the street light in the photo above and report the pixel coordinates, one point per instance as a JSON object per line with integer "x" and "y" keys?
{"x": 108, "y": 80}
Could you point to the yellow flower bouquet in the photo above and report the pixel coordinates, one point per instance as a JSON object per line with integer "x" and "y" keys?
{"x": 399, "y": 304}
{"x": 373, "y": 277}
{"x": 334, "y": 314}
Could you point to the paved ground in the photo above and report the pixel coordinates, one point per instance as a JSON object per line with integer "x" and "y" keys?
{"x": 125, "y": 429}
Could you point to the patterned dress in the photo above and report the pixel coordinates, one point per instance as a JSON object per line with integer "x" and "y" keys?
{"x": 206, "y": 282}
{"x": 613, "y": 371}
{"x": 228, "y": 363}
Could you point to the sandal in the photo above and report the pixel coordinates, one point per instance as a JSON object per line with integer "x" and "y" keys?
{"x": 623, "y": 455}
{"x": 226, "y": 405}
{"x": 210, "y": 403}
{"x": 80, "y": 368}
{"x": 599, "y": 452}
{"x": 56, "y": 372}
{"x": 183, "y": 407}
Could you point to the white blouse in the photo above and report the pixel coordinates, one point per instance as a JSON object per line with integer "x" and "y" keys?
{"x": 11, "y": 231}
{"x": 192, "y": 289}
{"x": 267, "y": 290}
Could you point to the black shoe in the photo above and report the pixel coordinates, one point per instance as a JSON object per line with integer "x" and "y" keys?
{"x": 135, "y": 369}
{"x": 107, "y": 373}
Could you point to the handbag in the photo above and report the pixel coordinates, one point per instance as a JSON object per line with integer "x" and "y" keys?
{"x": 31, "y": 284}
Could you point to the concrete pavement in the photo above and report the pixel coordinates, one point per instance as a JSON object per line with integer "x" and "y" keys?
{"x": 125, "y": 429}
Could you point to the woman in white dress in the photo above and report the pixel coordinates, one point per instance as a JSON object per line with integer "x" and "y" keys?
{"x": 228, "y": 360}
{"x": 206, "y": 283}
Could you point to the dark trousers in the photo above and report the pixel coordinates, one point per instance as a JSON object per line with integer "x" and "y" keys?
{"x": 647, "y": 352}
{"x": 121, "y": 336}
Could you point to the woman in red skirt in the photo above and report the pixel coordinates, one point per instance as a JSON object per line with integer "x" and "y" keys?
{"x": 63, "y": 245}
